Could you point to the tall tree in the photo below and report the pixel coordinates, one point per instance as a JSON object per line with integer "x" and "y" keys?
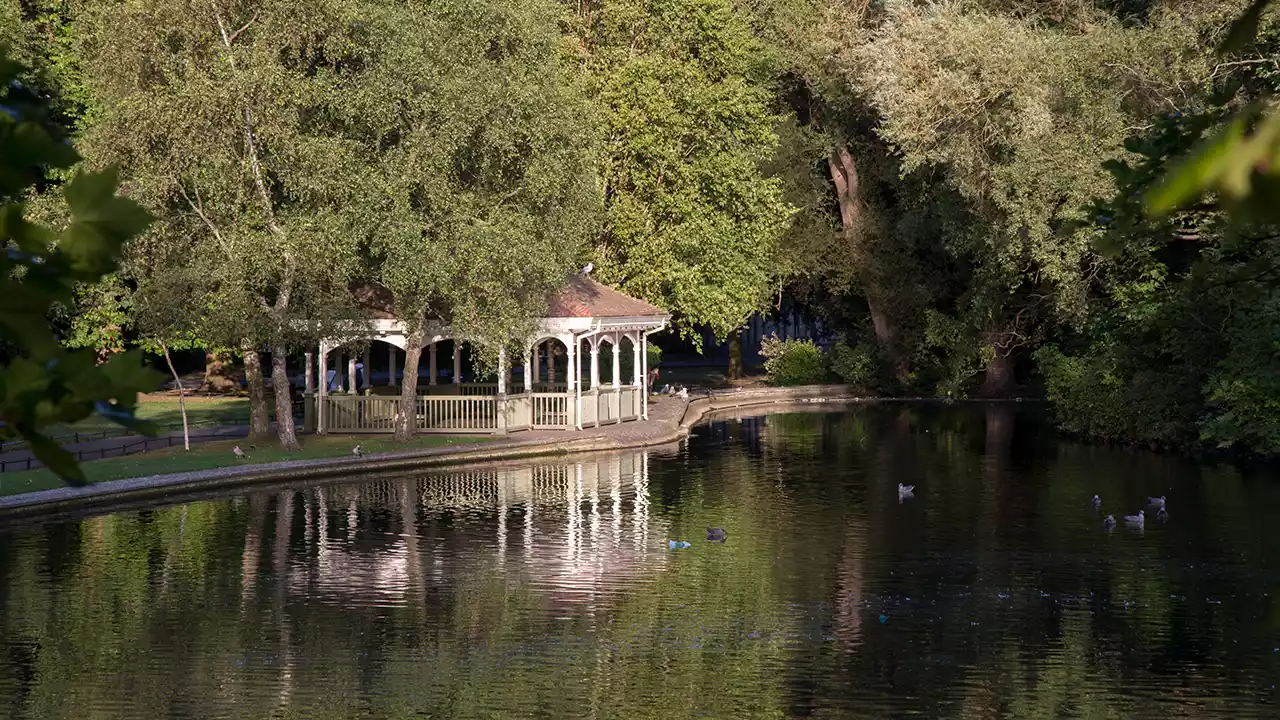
{"x": 1020, "y": 111}
{"x": 486, "y": 189}
{"x": 243, "y": 126}
{"x": 693, "y": 223}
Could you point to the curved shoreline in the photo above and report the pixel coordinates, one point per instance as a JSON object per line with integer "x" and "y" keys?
{"x": 668, "y": 423}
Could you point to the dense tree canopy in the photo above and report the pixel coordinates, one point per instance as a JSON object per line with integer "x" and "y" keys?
{"x": 693, "y": 223}
{"x": 956, "y": 186}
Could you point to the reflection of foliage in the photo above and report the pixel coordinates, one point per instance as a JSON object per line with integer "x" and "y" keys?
{"x": 219, "y": 605}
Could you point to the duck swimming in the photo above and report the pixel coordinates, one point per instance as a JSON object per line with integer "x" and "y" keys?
{"x": 905, "y": 491}
{"x": 1109, "y": 522}
{"x": 1138, "y": 520}
{"x": 716, "y": 534}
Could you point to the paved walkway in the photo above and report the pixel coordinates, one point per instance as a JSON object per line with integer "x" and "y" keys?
{"x": 669, "y": 420}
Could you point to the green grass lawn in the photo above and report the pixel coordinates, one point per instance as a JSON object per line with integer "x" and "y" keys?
{"x": 201, "y": 411}
{"x": 206, "y": 456}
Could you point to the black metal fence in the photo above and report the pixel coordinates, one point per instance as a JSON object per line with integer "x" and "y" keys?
{"x": 142, "y": 444}
{"x": 138, "y": 446}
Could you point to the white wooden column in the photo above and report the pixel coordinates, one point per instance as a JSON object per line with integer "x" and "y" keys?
{"x": 536, "y": 363}
{"x": 617, "y": 366}
{"x": 324, "y": 388}
{"x": 431, "y": 364}
{"x": 391, "y": 365}
{"x": 595, "y": 364}
{"x": 502, "y": 370}
{"x": 310, "y": 383}
{"x": 644, "y": 365}
{"x": 640, "y": 378}
{"x": 351, "y": 372}
{"x": 570, "y": 378}
{"x": 368, "y": 374}
{"x": 530, "y": 369}
{"x": 457, "y": 361}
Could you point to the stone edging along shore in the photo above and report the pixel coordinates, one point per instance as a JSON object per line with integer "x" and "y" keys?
{"x": 662, "y": 428}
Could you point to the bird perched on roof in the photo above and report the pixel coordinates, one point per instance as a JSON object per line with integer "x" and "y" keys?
{"x": 587, "y": 270}
{"x": 238, "y": 452}
{"x": 358, "y": 451}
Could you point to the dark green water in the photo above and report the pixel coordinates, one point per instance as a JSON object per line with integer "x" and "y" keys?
{"x": 548, "y": 590}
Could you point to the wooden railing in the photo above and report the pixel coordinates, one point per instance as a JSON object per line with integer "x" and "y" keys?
{"x": 457, "y": 414}
{"x": 360, "y": 414}
{"x": 606, "y": 406}
{"x": 479, "y": 413}
{"x": 629, "y": 404}
{"x": 465, "y": 389}
{"x": 550, "y": 410}
{"x": 519, "y": 412}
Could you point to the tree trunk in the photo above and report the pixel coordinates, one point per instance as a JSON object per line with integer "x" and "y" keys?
{"x": 844, "y": 174}
{"x": 735, "y": 355}
{"x": 998, "y": 380}
{"x": 259, "y": 420}
{"x": 407, "y": 412}
{"x": 284, "y": 398}
{"x": 218, "y": 376}
{"x": 886, "y": 337}
{"x": 182, "y": 398}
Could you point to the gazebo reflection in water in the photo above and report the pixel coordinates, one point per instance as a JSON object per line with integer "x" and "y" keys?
{"x": 575, "y": 530}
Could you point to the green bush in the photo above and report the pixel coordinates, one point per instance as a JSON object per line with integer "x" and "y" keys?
{"x": 793, "y": 362}
{"x": 854, "y": 364}
{"x": 653, "y": 355}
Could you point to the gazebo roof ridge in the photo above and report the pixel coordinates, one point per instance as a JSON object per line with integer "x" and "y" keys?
{"x": 582, "y": 297}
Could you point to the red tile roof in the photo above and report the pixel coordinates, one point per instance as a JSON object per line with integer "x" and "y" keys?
{"x": 583, "y": 297}
{"x": 579, "y": 298}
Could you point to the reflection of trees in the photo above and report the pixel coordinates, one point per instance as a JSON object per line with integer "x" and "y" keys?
{"x": 547, "y": 590}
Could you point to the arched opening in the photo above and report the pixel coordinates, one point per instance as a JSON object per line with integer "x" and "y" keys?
{"x": 549, "y": 365}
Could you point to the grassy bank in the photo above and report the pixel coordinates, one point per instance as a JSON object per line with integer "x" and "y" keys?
{"x": 164, "y": 409}
{"x": 207, "y": 456}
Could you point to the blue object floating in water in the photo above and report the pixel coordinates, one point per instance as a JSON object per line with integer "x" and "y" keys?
{"x": 678, "y": 544}
{"x": 883, "y": 618}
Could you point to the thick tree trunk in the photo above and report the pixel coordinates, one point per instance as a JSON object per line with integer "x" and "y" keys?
{"x": 285, "y": 431}
{"x": 886, "y": 337}
{"x": 998, "y": 380}
{"x": 735, "y": 355}
{"x": 218, "y": 377}
{"x": 259, "y": 420}
{"x": 407, "y": 412}
{"x": 844, "y": 174}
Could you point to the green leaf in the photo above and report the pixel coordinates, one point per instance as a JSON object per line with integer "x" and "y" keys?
{"x": 55, "y": 458}
{"x": 1245, "y": 28}
{"x": 1197, "y": 173}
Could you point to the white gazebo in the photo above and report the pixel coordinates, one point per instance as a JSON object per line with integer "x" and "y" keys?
{"x": 584, "y": 319}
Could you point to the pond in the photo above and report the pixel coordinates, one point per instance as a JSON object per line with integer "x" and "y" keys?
{"x": 550, "y": 590}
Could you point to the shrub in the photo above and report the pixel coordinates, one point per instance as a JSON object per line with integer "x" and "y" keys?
{"x": 854, "y": 364}
{"x": 653, "y": 356}
{"x": 793, "y": 362}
